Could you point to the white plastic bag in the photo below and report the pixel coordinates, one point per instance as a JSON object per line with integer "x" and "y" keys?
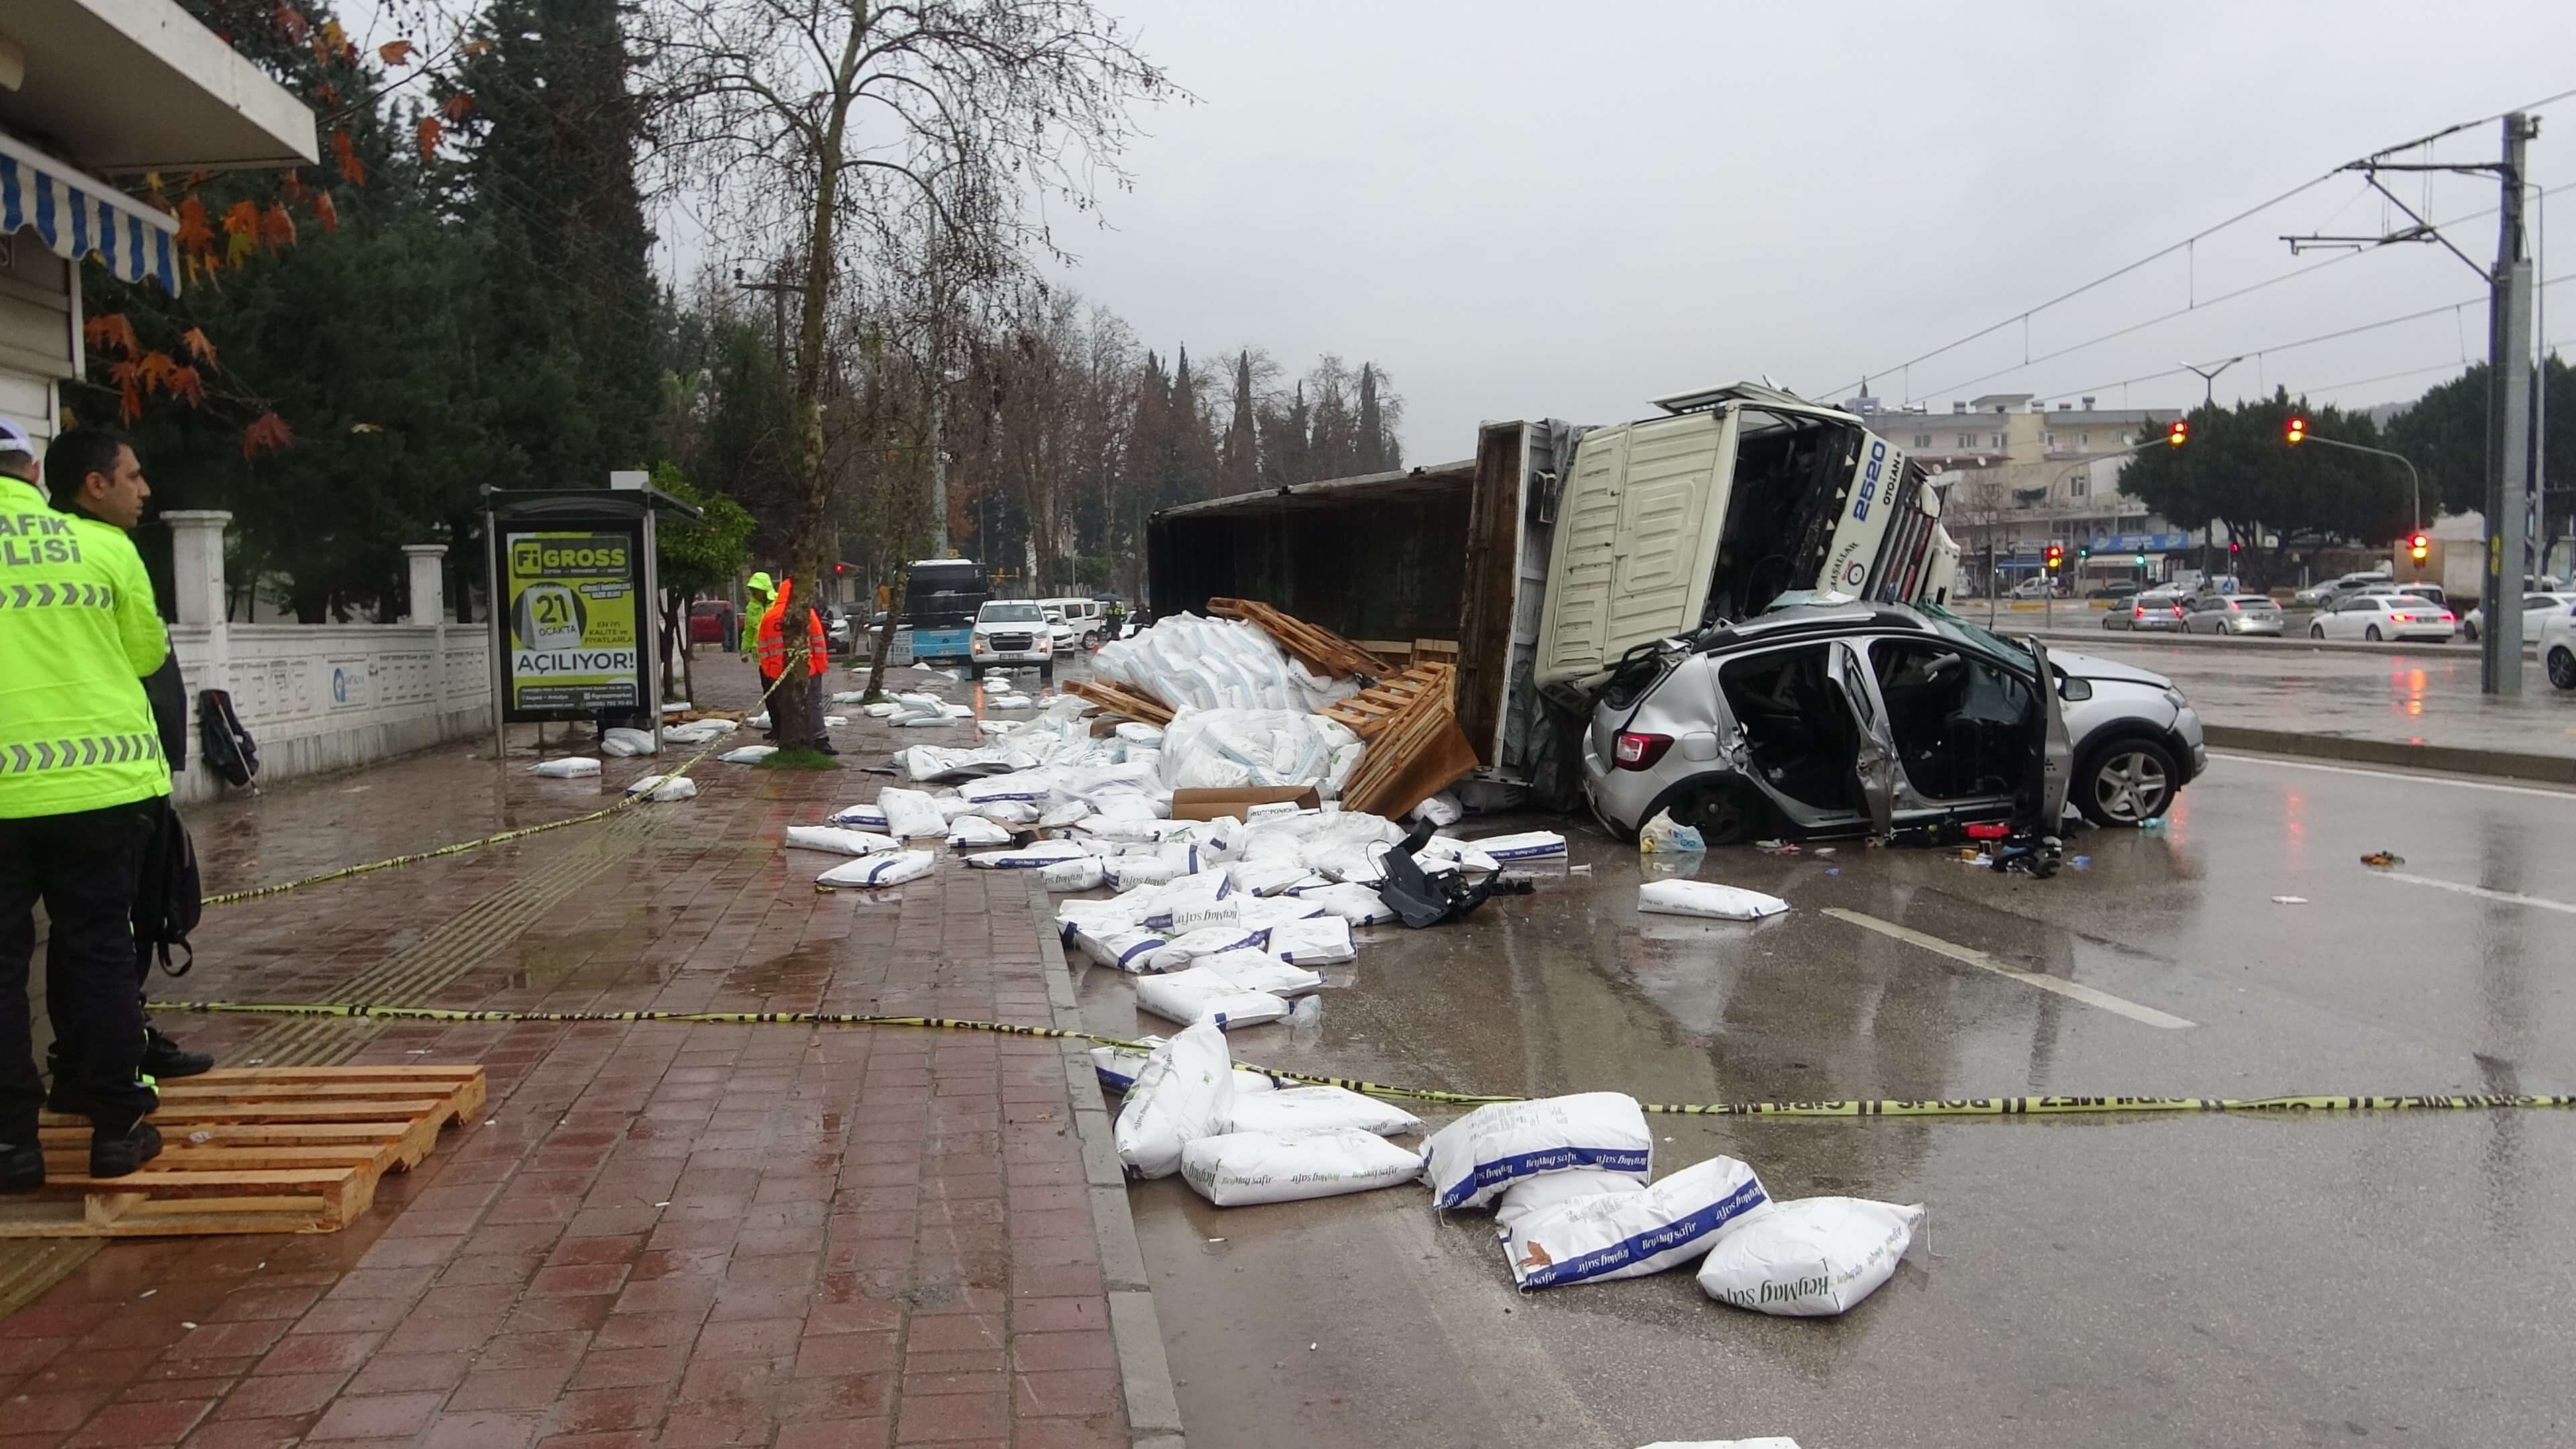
{"x": 1200, "y": 997}
{"x": 664, "y": 788}
{"x": 1539, "y": 1194}
{"x": 1663, "y": 836}
{"x": 1442, "y": 810}
{"x": 893, "y": 868}
{"x": 747, "y": 754}
{"x": 1240, "y": 1168}
{"x": 1707, "y": 899}
{"x": 1632, "y": 1234}
{"x": 1526, "y": 845}
{"x": 1323, "y": 1109}
{"x": 1811, "y": 1257}
{"x": 973, "y": 830}
{"x": 911, "y": 814}
{"x": 839, "y": 840}
{"x": 1469, "y": 1162}
{"x": 569, "y": 767}
{"x": 1316, "y": 941}
{"x": 1185, "y": 1091}
{"x": 1071, "y": 875}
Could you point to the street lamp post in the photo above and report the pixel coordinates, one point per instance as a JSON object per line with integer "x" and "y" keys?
{"x": 2209, "y": 398}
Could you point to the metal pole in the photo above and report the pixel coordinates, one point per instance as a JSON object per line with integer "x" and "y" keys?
{"x": 2508, "y": 485}
{"x": 498, "y": 626}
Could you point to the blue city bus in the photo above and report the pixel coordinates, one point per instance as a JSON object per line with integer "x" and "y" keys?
{"x": 940, "y": 597}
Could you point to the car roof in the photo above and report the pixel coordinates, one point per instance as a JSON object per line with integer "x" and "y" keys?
{"x": 1802, "y": 620}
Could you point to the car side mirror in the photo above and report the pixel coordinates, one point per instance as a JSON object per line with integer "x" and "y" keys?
{"x": 2072, "y": 690}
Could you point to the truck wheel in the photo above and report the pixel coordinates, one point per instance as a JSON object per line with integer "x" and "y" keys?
{"x": 975, "y": 672}
{"x": 2126, "y": 781}
{"x": 2562, "y": 668}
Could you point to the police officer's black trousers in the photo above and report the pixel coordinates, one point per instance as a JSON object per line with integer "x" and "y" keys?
{"x": 83, "y": 866}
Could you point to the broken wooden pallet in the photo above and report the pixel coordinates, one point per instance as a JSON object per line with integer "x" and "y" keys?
{"x": 250, "y": 1150}
{"x": 1414, "y": 750}
{"x": 1313, "y": 644}
{"x": 1122, "y": 700}
{"x": 1369, "y": 712}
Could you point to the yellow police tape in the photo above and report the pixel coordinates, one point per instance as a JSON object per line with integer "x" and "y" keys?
{"x": 1878, "y": 1107}
{"x": 460, "y": 847}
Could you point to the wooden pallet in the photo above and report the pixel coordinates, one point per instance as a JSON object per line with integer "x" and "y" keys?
{"x": 1121, "y": 700}
{"x": 1318, "y": 647}
{"x": 1414, "y": 750}
{"x": 250, "y": 1150}
{"x": 1371, "y": 711}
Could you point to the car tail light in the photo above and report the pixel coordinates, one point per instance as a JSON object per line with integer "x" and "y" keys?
{"x": 1636, "y": 751}
{"x": 2447, "y": 617}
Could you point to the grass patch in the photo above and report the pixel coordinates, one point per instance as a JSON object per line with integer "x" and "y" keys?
{"x": 797, "y": 757}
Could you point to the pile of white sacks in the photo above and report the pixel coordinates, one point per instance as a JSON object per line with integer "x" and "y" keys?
{"x": 1569, "y": 1180}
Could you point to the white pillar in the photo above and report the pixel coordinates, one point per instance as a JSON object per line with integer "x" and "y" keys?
{"x": 197, "y": 563}
{"x": 428, "y": 583}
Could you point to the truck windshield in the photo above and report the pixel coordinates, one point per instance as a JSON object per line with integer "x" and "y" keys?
{"x": 943, "y": 594}
{"x": 1793, "y": 477}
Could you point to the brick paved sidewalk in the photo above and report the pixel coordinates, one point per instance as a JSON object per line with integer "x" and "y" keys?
{"x": 664, "y": 1234}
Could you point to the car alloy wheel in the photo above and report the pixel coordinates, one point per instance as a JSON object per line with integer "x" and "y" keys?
{"x": 2316, "y": 631}
{"x": 2371, "y": 633}
{"x": 2562, "y": 668}
{"x": 2133, "y": 781}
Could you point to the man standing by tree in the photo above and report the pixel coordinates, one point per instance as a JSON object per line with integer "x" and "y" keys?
{"x": 81, "y": 778}
{"x": 780, "y": 660}
{"x": 95, "y": 475}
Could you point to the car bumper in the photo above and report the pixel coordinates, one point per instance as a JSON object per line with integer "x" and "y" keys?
{"x": 2430, "y": 636}
{"x": 2155, "y": 626}
{"x": 2254, "y": 626}
{"x": 1621, "y": 799}
{"x": 1012, "y": 657}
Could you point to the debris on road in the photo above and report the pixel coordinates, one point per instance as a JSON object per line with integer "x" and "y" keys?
{"x": 569, "y": 767}
{"x": 1633, "y": 1234}
{"x": 1811, "y": 1257}
{"x": 1662, "y": 835}
{"x": 1473, "y": 1160}
{"x": 2383, "y": 859}
{"x": 2289, "y": 900}
{"x": 1237, "y": 1169}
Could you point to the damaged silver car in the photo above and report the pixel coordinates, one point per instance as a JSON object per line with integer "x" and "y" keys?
{"x": 1827, "y": 719}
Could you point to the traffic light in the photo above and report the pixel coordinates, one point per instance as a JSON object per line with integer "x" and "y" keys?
{"x": 2233, "y": 547}
{"x": 2142, "y": 560}
{"x": 2084, "y": 550}
{"x": 2056, "y": 557}
{"x": 2298, "y": 430}
{"x": 2419, "y": 546}
{"x": 2178, "y": 432}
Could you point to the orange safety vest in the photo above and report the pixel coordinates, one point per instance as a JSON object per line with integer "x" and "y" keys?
{"x": 773, "y": 637}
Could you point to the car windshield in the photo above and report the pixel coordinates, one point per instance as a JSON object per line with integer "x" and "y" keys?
{"x": 1009, "y": 614}
{"x": 1974, "y": 635}
{"x": 2263, "y": 599}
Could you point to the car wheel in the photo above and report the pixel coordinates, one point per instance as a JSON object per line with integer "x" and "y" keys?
{"x": 1046, "y": 674}
{"x": 2562, "y": 668}
{"x": 975, "y": 672}
{"x": 2371, "y": 633}
{"x": 2125, "y": 782}
{"x": 2471, "y": 630}
{"x": 1091, "y": 641}
{"x": 2316, "y": 631}
{"x": 1722, "y": 812}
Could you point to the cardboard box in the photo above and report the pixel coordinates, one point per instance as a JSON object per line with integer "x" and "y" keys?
{"x": 1209, "y": 804}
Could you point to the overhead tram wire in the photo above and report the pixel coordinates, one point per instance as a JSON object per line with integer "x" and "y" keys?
{"x": 2190, "y": 241}
{"x": 2450, "y": 366}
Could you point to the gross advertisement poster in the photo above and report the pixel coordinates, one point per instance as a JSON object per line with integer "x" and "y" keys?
{"x": 574, "y": 645}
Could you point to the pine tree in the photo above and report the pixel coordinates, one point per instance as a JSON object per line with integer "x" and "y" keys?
{"x": 1372, "y": 440}
{"x": 1241, "y": 461}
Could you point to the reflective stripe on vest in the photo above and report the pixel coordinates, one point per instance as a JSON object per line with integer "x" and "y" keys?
{"x": 78, "y": 753}
{"x": 57, "y": 596}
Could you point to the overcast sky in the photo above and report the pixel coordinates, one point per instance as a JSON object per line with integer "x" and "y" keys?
{"x": 1547, "y": 209}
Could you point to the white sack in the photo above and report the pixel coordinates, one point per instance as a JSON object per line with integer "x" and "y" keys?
{"x": 1241, "y": 1168}
{"x": 1526, "y": 845}
{"x": 1117, "y": 1068}
{"x": 972, "y": 830}
{"x": 1632, "y": 1234}
{"x": 1137, "y": 733}
{"x": 1185, "y": 1091}
{"x": 1809, "y": 1258}
{"x": 1071, "y": 875}
{"x": 1442, "y": 810}
{"x": 1470, "y": 1161}
{"x": 1202, "y": 997}
{"x": 1131, "y": 949}
{"x": 882, "y": 709}
{"x": 1125, "y": 871}
{"x": 1027, "y": 857}
{"x": 1256, "y": 971}
{"x": 623, "y": 740}
{"x": 1268, "y": 879}
{"x": 839, "y": 840}
{"x": 1323, "y": 1109}
{"x": 664, "y": 787}
{"x": 1008, "y": 812}
{"x": 1708, "y": 899}
{"x": 1184, "y": 950}
{"x": 571, "y": 767}
{"x": 747, "y": 754}
{"x": 1317, "y": 941}
{"x": 879, "y": 870}
{"x": 863, "y": 817}
{"x": 1356, "y": 904}
{"x": 911, "y": 814}
{"x": 1033, "y": 786}
{"x": 1540, "y": 1194}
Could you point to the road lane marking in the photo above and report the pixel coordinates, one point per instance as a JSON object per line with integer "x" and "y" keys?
{"x": 2540, "y": 790}
{"x": 2481, "y": 892}
{"x": 1971, "y": 956}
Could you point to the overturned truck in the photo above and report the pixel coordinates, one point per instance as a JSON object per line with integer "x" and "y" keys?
{"x": 1556, "y": 549}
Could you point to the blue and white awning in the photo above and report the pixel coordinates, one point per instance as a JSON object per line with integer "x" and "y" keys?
{"x": 79, "y": 215}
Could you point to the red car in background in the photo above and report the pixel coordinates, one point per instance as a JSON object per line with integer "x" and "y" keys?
{"x": 710, "y": 622}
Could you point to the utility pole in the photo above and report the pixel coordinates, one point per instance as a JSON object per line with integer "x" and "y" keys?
{"x": 2509, "y": 435}
{"x": 2508, "y": 499}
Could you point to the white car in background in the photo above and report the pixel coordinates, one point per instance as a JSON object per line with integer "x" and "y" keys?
{"x": 2379, "y": 615}
{"x": 2536, "y": 609}
{"x": 2557, "y": 635}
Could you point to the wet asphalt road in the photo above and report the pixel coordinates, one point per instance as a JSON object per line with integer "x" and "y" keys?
{"x": 2090, "y": 1281}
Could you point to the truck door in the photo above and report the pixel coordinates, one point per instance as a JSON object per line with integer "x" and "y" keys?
{"x": 1874, "y": 763}
{"x": 1636, "y": 541}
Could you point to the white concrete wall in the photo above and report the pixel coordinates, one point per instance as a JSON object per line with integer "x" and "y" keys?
{"x": 321, "y": 697}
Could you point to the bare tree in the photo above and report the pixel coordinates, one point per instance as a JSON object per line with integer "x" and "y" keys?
{"x": 838, "y": 125}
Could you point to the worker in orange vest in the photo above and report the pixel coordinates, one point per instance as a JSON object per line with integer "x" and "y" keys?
{"x": 776, "y": 659}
